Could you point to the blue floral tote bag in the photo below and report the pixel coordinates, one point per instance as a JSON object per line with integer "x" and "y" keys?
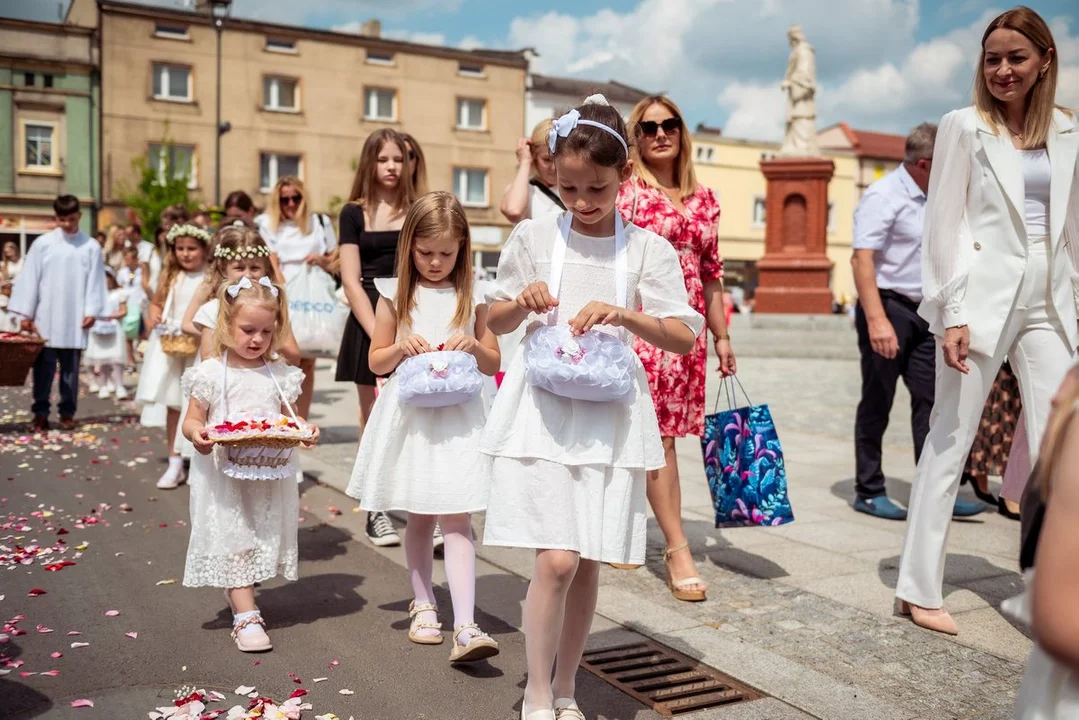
{"x": 743, "y": 462}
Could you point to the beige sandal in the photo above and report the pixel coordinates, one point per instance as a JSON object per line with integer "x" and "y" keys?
{"x": 414, "y": 611}
{"x": 678, "y": 587}
{"x": 480, "y": 647}
{"x": 256, "y": 641}
{"x": 624, "y": 566}
{"x": 567, "y": 709}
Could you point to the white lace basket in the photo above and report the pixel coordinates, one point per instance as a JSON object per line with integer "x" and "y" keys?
{"x": 596, "y": 366}
{"x": 438, "y": 379}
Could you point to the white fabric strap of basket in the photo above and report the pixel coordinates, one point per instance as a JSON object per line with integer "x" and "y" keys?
{"x": 621, "y": 263}
{"x": 255, "y": 463}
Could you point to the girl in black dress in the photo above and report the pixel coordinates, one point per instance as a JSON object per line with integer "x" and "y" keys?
{"x": 370, "y": 223}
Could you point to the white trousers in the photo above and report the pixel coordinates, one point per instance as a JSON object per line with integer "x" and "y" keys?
{"x": 1038, "y": 350}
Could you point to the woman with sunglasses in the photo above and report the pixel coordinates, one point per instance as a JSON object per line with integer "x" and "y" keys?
{"x": 663, "y": 196}
{"x": 296, "y": 238}
{"x": 417, "y": 164}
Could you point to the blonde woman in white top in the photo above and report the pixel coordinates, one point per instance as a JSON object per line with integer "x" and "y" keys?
{"x": 1000, "y": 251}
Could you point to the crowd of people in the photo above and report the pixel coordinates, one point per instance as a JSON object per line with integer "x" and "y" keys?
{"x": 964, "y": 258}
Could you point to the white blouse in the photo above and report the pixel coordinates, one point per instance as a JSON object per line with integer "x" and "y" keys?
{"x": 291, "y": 245}
{"x": 1036, "y": 174}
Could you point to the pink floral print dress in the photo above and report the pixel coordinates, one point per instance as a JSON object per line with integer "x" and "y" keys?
{"x": 677, "y": 382}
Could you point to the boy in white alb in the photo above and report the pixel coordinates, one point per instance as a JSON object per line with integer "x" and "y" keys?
{"x": 59, "y": 292}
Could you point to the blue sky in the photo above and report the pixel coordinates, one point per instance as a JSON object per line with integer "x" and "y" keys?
{"x": 883, "y": 64}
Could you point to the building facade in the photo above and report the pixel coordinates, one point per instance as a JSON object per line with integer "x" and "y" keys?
{"x": 300, "y": 102}
{"x": 49, "y": 112}
{"x": 548, "y": 97}
{"x": 878, "y": 153}
{"x": 731, "y": 168}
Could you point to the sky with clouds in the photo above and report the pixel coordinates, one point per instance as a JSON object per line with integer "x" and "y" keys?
{"x": 883, "y": 64}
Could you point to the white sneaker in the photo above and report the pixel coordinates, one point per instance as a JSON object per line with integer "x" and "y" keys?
{"x": 93, "y": 387}
{"x": 121, "y": 393}
{"x": 105, "y": 392}
{"x": 173, "y": 478}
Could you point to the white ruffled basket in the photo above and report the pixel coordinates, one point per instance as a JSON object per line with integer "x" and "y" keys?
{"x": 438, "y": 379}
{"x": 255, "y": 462}
{"x": 596, "y": 366}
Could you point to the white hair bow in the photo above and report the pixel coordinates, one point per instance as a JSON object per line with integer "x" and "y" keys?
{"x": 245, "y": 284}
{"x": 563, "y": 126}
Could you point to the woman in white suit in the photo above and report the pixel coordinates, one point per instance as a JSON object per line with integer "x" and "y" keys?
{"x": 1000, "y": 253}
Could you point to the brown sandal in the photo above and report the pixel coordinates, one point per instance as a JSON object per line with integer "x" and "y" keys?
{"x": 678, "y": 587}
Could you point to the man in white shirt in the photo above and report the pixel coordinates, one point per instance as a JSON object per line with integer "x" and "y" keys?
{"x": 894, "y": 341}
{"x": 59, "y": 292}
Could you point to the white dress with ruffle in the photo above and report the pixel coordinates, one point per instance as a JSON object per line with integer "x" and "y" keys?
{"x": 571, "y": 474}
{"x": 242, "y": 531}
{"x": 423, "y": 460}
{"x": 159, "y": 377}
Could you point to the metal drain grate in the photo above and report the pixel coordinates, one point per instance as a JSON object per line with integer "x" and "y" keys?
{"x": 667, "y": 681}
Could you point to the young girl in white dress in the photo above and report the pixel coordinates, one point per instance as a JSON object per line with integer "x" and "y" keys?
{"x": 243, "y": 530}
{"x": 425, "y": 460}
{"x": 568, "y": 475}
{"x": 159, "y": 380}
{"x": 106, "y": 349}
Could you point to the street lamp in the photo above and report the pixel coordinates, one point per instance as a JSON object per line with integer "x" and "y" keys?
{"x": 219, "y": 12}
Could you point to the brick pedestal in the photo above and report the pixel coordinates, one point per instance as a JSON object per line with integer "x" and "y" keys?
{"x": 795, "y": 269}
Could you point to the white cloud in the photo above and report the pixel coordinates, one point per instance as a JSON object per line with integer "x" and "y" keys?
{"x": 719, "y": 57}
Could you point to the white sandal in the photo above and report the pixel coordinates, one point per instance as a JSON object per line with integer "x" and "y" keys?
{"x": 480, "y": 647}
{"x": 255, "y": 641}
{"x": 414, "y": 611}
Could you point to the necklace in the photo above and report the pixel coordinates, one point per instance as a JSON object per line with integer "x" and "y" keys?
{"x": 1015, "y": 132}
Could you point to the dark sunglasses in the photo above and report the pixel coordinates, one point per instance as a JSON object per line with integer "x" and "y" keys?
{"x": 651, "y": 127}
{"x": 291, "y": 199}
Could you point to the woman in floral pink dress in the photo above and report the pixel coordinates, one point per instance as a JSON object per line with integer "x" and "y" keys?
{"x": 663, "y": 196}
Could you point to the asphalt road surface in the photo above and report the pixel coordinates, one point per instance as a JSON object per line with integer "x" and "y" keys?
{"x": 88, "y": 498}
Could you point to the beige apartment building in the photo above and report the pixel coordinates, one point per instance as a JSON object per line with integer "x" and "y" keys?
{"x": 301, "y": 102}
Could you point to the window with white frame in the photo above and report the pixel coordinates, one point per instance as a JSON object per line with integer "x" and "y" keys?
{"x": 380, "y": 104}
{"x": 177, "y": 160}
{"x": 759, "y": 207}
{"x": 471, "y": 114}
{"x": 280, "y": 93}
{"x": 172, "y": 31}
{"x": 40, "y": 147}
{"x": 273, "y": 166}
{"x": 172, "y": 82}
{"x": 470, "y": 186}
{"x": 283, "y": 45}
{"x": 705, "y": 153}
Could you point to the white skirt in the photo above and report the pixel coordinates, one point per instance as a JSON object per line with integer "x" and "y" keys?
{"x": 421, "y": 460}
{"x": 159, "y": 378}
{"x": 596, "y": 511}
{"x": 242, "y": 531}
{"x": 106, "y": 349}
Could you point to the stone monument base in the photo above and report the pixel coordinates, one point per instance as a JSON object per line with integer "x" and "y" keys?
{"x": 795, "y": 270}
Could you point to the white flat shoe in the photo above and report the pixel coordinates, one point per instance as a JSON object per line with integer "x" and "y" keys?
{"x": 566, "y": 709}
{"x": 538, "y": 715}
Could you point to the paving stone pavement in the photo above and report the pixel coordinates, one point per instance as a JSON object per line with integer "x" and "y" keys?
{"x": 803, "y": 612}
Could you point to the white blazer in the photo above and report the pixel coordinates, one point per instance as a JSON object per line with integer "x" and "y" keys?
{"x": 975, "y": 245}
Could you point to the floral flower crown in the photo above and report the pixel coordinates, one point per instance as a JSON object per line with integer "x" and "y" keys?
{"x": 241, "y": 253}
{"x": 187, "y": 230}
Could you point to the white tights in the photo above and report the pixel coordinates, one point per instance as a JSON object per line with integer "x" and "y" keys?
{"x": 112, "y": 371}
{"x": 558, "y": 615}
{"x": 460, "y": 554}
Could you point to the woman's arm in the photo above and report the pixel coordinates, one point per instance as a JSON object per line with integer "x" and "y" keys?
{"x": 202, "y": 294}
{"x": 206, "y": 343}
{"x": 517, "y": 198}
{"x": 351, "y": 278}
{"x": 1056, "y": 584}
{"x": 385, "y": 354}
{"x": 290, "y": 349}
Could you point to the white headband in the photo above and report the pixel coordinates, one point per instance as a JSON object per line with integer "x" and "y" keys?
{"x": 245, "y": 284}
{"x": 564, "y": 125}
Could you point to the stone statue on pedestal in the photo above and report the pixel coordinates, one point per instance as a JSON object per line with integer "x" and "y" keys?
{"x": 800, "y": 84}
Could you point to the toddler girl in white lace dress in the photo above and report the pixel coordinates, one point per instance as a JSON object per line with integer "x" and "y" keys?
{"x": 569, "y": 474}
{"x": 424, "y": 460}
{"x": 243, "y": 519}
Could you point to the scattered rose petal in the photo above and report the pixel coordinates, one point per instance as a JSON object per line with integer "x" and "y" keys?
{"x": 318, "y": 680}
{"x": 132, "y": 635}
{"x": 36, "y": 592}
{"x": 82, "y": 703}
{"x": 27, "y": 674}
{"x": 244, "y": 690}
{"x": 345, "y": 692}
{"x": 56, "y": 655}
{"x": 73, "y": 632}
{"x": 112, "y": 613}
{"x": 170, "y": 581}
{"x": 77, "y": 645}
{"x": 298, "y": 692}
{"x": 42, "y": 629}
{"x": 50, "y": 673}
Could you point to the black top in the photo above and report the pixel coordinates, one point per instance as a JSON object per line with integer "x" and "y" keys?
{"x": 378, "y": 250}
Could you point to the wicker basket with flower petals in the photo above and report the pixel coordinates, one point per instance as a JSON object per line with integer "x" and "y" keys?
{"x": 18, "y": 351}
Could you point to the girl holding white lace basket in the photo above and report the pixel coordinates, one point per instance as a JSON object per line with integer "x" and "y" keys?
{"x": 420, "y": 449}
{"x": 573, "y": 430}
{"x": 240, "y": 419}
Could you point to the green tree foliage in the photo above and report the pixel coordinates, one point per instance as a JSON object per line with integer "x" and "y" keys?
{"x": 159, "y": 185}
